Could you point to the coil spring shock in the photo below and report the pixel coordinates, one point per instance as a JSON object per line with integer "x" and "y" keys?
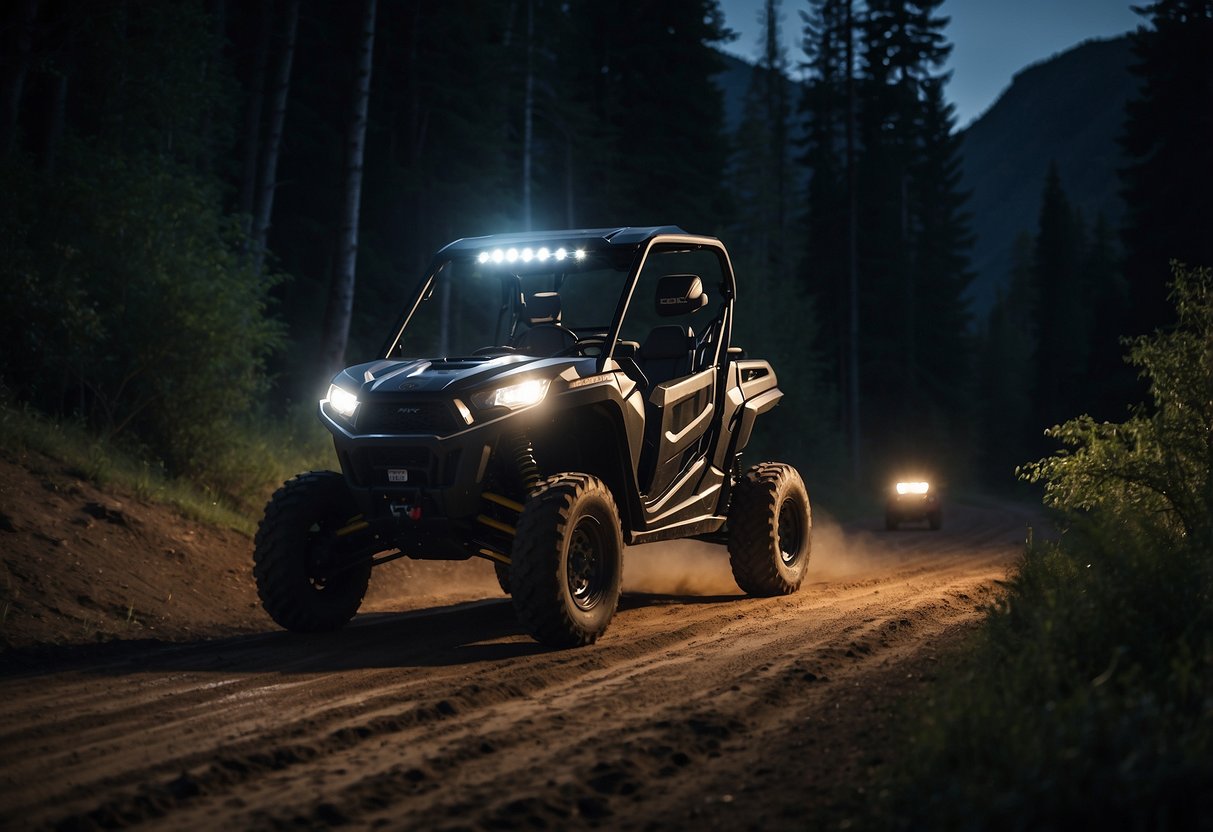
{"x": 524, "y": 463}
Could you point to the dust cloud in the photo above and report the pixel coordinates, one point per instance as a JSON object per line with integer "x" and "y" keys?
{"x": 840, "y": 554}
{"x": 688, "y": 567}
{"x": 678, "y": 567}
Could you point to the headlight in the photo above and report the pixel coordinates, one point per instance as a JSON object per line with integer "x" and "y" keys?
{"x": 343, "y": 402}
{"x": 912, "y": 487}
{"x": 522, "y": 394}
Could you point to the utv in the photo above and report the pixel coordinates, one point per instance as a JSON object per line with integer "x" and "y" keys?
{"x": 543, "y": 400}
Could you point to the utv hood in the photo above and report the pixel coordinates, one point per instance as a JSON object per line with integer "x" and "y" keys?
{"x": 444, "y": 376}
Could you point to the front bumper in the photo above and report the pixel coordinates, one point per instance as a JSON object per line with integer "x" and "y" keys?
{"x": 908, "y": 507}
{"x": 442, "y": 477}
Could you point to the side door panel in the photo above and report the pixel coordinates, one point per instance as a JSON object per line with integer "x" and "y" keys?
{"x": 682, "y": 411}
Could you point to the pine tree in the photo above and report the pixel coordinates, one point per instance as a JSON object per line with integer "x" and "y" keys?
{"x": 940, "y": 267}
{"x": 913, "y": 234}
{"x": 1063, "y": 312}
{"x": 823, "y": 110}
{"x": 1006, "y": 372}
{"x": 664, "y": 150}
{"x": 1169, "y": 142}
{"x": 340, "y": 304}
{"x": 761, "y": 172}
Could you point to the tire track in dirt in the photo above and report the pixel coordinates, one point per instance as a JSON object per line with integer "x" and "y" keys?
{"x": 453, "y": 717}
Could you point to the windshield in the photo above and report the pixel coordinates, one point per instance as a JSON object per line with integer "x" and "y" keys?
{"x": 475, "y": 308}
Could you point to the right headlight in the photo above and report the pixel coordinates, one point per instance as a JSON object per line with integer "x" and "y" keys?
{"x": 514, "y": 396}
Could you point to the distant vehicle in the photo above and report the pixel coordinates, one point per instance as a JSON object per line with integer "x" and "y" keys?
{"x": 543, "y": 399}
{"x": 913, "y": 501}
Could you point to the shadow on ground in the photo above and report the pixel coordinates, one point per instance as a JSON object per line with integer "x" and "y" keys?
{"x": 466, "y": 633}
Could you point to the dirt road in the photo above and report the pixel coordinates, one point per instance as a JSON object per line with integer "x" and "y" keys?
{"x": 699, "y": 708}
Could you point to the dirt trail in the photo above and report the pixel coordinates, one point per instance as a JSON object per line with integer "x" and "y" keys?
{"x": 700, "y": 707}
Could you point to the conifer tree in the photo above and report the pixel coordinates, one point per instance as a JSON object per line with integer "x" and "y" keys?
{"x": 1063, "y": 312}
{"x": 823, "y": 110}
{"x": 1169, "y": 142}
{"x": 762, "y": 171}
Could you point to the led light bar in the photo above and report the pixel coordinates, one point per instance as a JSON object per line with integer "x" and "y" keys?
{"x": 912, "y": 487}
{"x": 528, "y": 255}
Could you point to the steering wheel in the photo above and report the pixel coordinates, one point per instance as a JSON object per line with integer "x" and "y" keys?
{"x": 580, "y": 347}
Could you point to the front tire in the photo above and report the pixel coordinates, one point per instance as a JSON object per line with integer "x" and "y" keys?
{"x": 770, "y": 530}
{"x": 503, "y": 576}
{"x": 291, "y": 555}
{"x": 566, "y": 568}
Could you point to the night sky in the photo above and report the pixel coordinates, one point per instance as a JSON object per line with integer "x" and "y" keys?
{"x": 992, "y": 39}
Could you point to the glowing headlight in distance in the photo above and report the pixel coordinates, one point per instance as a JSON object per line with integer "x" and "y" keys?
{"x": 522, "y": 394}
{"x": 483, "y": 258}
{"x": 912, "y": 487}
{"x": 580, "y": 254}
{"x": 528, "y": 255}
{"x": 543, "y": 254}
{"x": 498, "y": 255}
{"x": 343, "y": 402}
{"x": 561, "y": 254}
{"x": 512, "y": 255}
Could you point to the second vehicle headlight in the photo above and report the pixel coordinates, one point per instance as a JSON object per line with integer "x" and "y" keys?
{"x": 514, "y": 396}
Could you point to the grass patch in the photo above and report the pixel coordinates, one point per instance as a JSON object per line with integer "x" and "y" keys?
{"x": 228, "y": 490}
{"x": 1086, "y": 700}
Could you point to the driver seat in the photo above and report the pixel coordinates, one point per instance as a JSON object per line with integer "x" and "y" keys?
{"x": 544, "y": 334}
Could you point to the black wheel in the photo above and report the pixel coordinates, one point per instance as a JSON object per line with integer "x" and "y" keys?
{"x": 935, "y": 519}
{"x": 770, "y": 530}
{"x": 567, "y": 562}
{"x": 503, "y": 576}
{"x": 293, "y": 555}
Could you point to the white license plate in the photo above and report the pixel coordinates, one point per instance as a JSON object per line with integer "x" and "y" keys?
{"x": 397, "y": 475}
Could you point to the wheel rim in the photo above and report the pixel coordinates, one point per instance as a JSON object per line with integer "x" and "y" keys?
{"x": 587, "y": 567}
{"x": 791, "y": 532}
{"x": 319, "y": 556}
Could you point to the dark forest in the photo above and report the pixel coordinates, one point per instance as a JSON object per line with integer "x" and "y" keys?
{"x": 210, "y": 205}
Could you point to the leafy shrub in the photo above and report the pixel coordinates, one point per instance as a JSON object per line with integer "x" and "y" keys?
{"x": 1157, "y": 467}
{"x": 1086, "y": 699}
{"x": 132, "y": 307}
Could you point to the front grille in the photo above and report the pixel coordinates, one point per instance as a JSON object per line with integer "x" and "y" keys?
{"x": 371, "y": 465}
{"x": 435, "y": 418}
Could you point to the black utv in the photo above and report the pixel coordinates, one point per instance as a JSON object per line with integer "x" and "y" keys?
{"x": 544, "y": 399}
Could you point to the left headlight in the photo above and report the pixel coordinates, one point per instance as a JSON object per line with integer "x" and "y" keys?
{"x": 343, "y": 402}
{"x": 522, "y": 394}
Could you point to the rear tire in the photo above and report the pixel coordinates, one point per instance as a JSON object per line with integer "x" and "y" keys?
{"x": 567, "y": 563}
{"x": 292, "y": 542}
{"x": 770, "y": 530}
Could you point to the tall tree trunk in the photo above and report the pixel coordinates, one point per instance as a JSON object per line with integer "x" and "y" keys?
{"x": 252, "y": 117}
{"x": 14, "y": 84}
{"x": 55, "y": 118}
{"x": 273, "y": 140}
{"x": 852, "y": 249}
{"x": 341, "y": 291}
{"x": 528, "y": 112}
{"x": 206, "y": 129}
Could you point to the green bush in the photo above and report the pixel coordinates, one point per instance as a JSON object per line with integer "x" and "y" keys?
{"x": 1087, "y": 698}
{"x": 1157, "y": 467}
{"x": 132, "y": 307}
